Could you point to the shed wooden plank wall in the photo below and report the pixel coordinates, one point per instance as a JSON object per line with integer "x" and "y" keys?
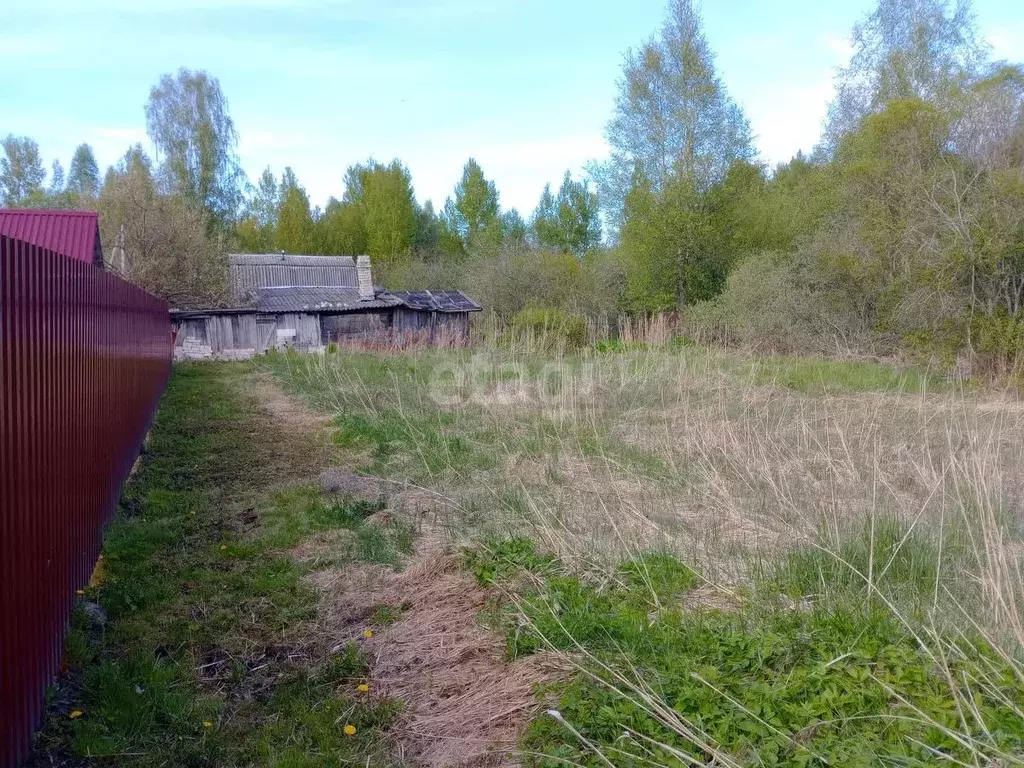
{"x": 356, "y": 324}
{"x": 446, "y": 323}
{"x": 247, "y": 334}
{"x": 306, "y": 327}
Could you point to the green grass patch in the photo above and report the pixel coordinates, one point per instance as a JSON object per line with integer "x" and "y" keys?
{"x": 423, "y": 444}
{"x": 313, "y": 708}
{"x": 618, "y": 346}
{"x": 298, "y": 513}
{"x": 193, "y": 667}
{"x": 823, "y": 376}
{"x": 384, "y": 615}
{"x": 497, "y": 559}
{"x": 764, "y": 685}
{"x": 910, "y": 567}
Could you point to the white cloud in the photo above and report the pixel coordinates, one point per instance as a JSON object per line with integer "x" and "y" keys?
{"x": 1007, "y": 41}
{"x": 124, "y": 135}
{"x": 21, "y": 46}
{"x": 840, "y": 47}
{"x": 787, "y": 114}
{"x": 519, "y": 166}
{"x": 355, "y": 10}
{"x": 788, "y": 120}
{"x": 110, "y": 143}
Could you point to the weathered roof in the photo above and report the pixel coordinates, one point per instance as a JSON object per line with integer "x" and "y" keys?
{"x": 339, "y": 298}
{"x": 249, "y": 271}
{"x": 437, "y": 301}
{"x": 72, "y": 233}
{"x": 263, "y": 259}
{"x": 318, "y": 299}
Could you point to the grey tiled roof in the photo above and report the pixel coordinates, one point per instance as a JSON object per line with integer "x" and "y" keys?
{"x": 318, "y": 299}
{"x": 437, "y": 301}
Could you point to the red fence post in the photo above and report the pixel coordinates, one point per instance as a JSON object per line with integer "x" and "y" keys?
{"x": 84, "y": 358}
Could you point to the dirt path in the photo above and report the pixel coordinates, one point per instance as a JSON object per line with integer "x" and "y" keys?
{"x": 463, "y": 704}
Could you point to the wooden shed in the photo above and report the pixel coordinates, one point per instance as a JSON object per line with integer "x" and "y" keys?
{"x": 311, "y": 317}
{"x": 442, "y": 314}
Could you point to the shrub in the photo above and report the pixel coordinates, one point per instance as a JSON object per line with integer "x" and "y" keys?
{"x": 806, "y": 302}
{"x": 763, "y": 306}
{"x": 554, "y": 326}
{"x": 999, "y": 342}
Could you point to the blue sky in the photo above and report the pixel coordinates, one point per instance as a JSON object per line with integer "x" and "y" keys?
{"x": 525, "y": 86}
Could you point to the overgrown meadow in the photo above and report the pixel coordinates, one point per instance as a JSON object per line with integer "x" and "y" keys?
{"x": 749, "y": 561}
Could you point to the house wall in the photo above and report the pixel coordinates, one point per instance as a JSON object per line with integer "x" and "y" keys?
{"x": 412, "y": 320}
{"x": 454, "y": 324}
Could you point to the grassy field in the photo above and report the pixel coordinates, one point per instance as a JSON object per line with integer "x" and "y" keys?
{"x": 633, "y": 555}
{"x": 749, "y": 562}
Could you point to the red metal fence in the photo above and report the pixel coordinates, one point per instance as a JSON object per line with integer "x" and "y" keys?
{"x": 84, "y": 358}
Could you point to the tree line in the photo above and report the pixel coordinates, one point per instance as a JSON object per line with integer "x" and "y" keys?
{"x": 902, "y": 232}
{"x": 172, "y": 222}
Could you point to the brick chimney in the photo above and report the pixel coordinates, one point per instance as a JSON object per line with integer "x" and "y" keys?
{"x": 365, "y": 278}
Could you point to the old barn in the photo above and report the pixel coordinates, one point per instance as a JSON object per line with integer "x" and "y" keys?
{"x": 308, "y": 302}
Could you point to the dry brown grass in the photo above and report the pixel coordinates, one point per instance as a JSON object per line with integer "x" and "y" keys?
{"x": 695, "y": 453}
{"x": 699, "y": 454}
{"x": 391, "y": 341}
{"x": 288, "y": 411}
{"x": 463, "y": 703}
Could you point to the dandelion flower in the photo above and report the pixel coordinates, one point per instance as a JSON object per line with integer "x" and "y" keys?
{"x": 76, "y": 714}
{"x": 207, "y": 724}
{"x": 223, "y": 547}
{"x": 363, "y": 688}
{"x": 350, "y": 730}
{"x": 367, "y": 633}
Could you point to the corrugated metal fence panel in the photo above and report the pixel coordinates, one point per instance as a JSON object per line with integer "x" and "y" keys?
{"x": 84, "y": 358}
